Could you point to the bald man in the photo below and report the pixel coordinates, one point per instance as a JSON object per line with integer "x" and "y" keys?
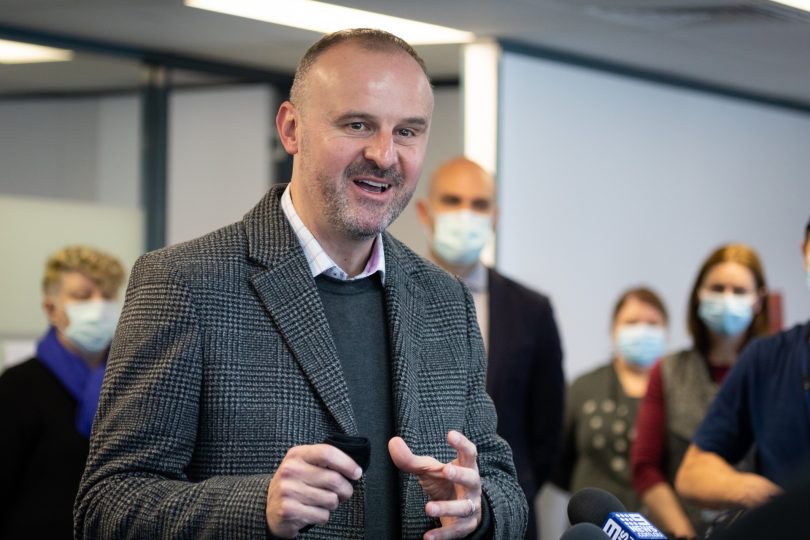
{"x": 524, "y": 374}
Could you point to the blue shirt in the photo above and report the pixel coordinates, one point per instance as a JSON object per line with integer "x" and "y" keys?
{"x": 765, "y": 400}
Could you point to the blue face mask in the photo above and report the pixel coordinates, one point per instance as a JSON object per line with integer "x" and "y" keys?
{"x": 459, "y": 236}
{"x": 727, "y": 314}
{"x": 641, "y": 344}
{"x": 91, "y": 324}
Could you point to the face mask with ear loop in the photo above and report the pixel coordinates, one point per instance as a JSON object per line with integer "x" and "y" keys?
{"x": 459, "y": 236}
{"x": 727, "y": 314}
{"x": 641, "y": 344}
{"x": 91, "y": 324}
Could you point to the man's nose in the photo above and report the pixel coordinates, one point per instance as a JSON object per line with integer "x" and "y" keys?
{"x": 381, "y": 150}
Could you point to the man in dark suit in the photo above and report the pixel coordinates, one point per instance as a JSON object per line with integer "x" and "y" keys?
{"x": 524, "y": 374}
{"x": 238, "y": 353}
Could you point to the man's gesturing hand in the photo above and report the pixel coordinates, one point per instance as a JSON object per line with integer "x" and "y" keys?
{"x": 454, "y": 488}
{"x": 309, "y": 484}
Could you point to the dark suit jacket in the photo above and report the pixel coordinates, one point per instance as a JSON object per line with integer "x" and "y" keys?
{"x": 525, "y": 377}
{"x": 223, "y": 360}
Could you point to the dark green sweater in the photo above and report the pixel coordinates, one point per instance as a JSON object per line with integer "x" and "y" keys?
{"x": 356, "y": 314}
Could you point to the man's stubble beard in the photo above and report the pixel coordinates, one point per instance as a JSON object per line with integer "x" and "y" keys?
{"x": 347, "y": 218}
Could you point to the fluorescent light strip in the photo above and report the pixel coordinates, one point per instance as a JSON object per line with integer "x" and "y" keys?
{"x": 16, "y": 52}
{"x": 804, "y": 5}
{"x": 325, "y": 18}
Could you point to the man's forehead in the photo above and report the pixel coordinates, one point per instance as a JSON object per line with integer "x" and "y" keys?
{"x": 354, "y": 55}
{"x": 463, "y": 180}
{"x": 350, "y": 79}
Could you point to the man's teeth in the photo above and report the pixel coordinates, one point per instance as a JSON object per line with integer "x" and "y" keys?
{"x": 376, "y": 185}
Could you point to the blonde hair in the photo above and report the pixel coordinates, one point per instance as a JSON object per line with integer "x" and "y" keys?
{"x": 102, "y": 268}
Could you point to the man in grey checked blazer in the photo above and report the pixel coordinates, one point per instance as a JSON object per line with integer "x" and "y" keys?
{"x": 229, "y": 366}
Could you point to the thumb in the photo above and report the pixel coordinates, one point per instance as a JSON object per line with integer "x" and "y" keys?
{"x": 401, "y": 455}
{"x": 406, "y": 461}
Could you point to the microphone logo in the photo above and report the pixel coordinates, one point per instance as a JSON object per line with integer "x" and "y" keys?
{"x": 630, "y": 526}
{"x": 614, "y": 530}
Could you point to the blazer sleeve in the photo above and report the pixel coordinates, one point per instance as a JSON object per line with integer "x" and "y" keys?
{"x": 134, "y": 484}
{"x": 499, "y": 483}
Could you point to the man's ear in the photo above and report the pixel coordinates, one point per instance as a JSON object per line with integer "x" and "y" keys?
{"x": 287, "y": 120}
{"x": 423, "y": 212}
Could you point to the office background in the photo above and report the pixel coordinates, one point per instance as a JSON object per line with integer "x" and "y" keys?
{"x": 617, "y": 164}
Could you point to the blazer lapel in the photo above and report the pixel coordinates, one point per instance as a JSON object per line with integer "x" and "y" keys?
{"x": 288, "y": 292}
{"x": 404, "y": 305}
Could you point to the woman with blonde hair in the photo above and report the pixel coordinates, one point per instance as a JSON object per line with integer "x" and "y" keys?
{"x": 726, "y": 310}
{"x": 48, "y": 402}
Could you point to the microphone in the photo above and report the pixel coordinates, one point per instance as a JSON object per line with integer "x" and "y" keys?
{"x": 600, "y": 508}
{"x": 592, "y": 505}
{"x": 584, "y": 531}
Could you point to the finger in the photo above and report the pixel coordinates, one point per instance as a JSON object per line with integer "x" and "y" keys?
{"x": 406, "y": 461}
{"x": 464, "y": 476}
{"x": 294, "y": 516}
{"x": 458, "y": 528}
{"x": 308, "y": 495}
{"x": 294, "y": 470}
{"x": 327, "y": 456}
{"x": 467, "y": 451}
{"x": 460, "y": 508}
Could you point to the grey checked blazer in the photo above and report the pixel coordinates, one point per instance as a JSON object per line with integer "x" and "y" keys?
{"x": 223, "y": 360}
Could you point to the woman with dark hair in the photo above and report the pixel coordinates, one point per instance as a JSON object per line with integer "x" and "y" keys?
{"x": 601, "y": 405}
{"x": 726, "y": 310}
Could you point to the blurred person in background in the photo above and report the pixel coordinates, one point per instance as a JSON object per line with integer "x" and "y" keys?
{"x": 764, "y": 406}
{"x": 524, "y": 357}
{"x": 726, "y": 310}
{"x": 47, "y": 403}
{"x": 601, "y": 405}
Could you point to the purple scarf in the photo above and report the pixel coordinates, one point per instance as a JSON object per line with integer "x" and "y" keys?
{"x": 83, "y": 383}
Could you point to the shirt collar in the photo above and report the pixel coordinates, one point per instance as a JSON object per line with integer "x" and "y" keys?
{"x": 319, "y": 261}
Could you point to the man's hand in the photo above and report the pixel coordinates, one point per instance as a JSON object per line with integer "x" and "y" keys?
{"x": 754, "y": 490}
{"x": 454, "y": 488}
{"x": 707, "y": 479}
{"x": 309, "y": 484}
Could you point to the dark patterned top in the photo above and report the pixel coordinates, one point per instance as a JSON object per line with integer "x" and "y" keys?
{"x": 599, "y": 428}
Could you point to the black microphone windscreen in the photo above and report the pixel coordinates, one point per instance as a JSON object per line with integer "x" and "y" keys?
{"x": 584, "y": 531}
{"x": 592, "y": 505}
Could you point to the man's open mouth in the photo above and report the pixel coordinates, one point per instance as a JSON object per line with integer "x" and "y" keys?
{"x": 372, "y": 187}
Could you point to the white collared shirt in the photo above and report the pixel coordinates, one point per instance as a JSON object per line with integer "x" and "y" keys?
{"x": 478, "y": 283}
{"x": 319, "y": 261}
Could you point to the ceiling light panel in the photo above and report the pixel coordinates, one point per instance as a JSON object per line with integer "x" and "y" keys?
{"x": 17, "y": 52}
{"x": 325, "y": 18}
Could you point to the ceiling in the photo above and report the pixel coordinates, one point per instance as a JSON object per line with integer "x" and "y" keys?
{"x": 748, "y": 46}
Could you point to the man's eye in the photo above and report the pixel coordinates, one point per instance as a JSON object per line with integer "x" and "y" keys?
{"x": 406, "y": 132}
{"x": 356, "y": 126}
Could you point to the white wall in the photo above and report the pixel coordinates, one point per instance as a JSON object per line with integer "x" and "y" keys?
{"x": 606, "y": 182}
{"x": 219, "y": 156}
{"x": 76, "y": 148}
